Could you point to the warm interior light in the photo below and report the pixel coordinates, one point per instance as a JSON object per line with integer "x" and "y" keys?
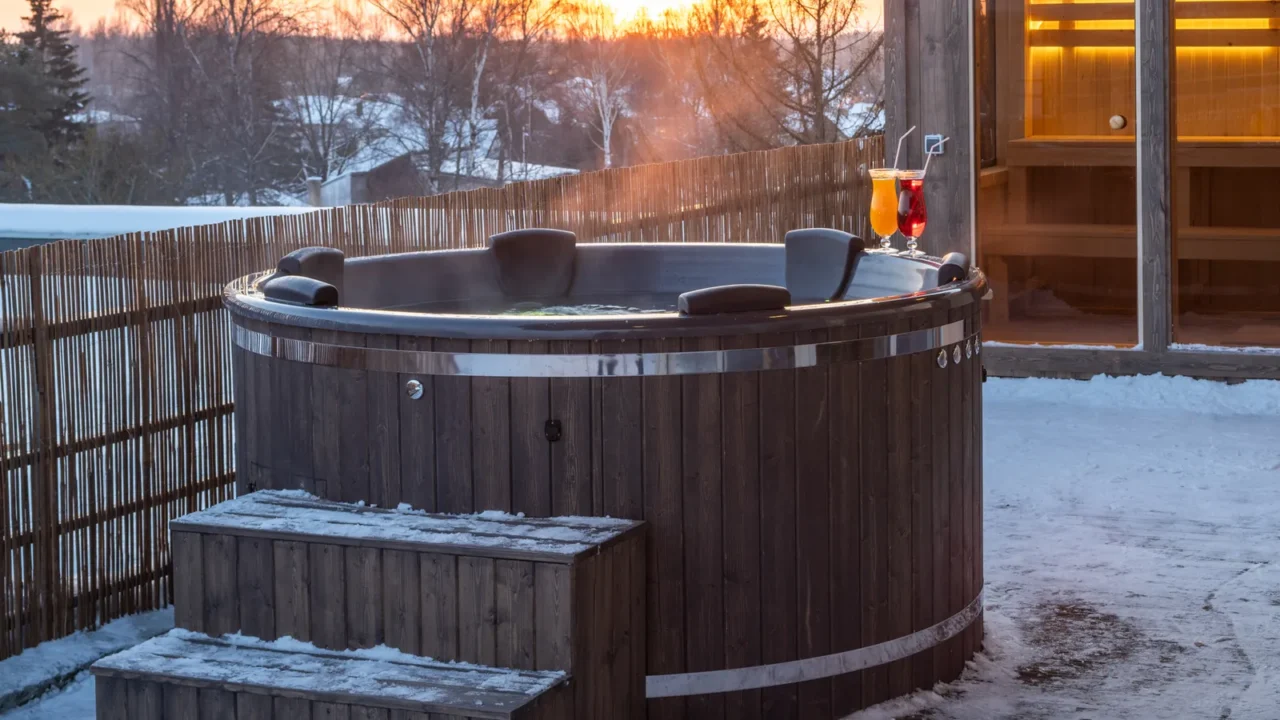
{"x": 1253, "y": 51}
{"x": 1104, "y": 24}
{"x": 1236, "y": 24}
{"x": 1255, "y": 23}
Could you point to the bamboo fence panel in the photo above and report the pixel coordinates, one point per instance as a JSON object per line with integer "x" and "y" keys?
{"x": 116, "y": 413}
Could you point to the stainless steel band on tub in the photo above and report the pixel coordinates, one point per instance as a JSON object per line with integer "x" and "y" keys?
{"x": 814, "y": 668}
{"x": 426, "y": 362}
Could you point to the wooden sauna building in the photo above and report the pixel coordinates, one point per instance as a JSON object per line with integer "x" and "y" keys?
{"x": 1120, "y": 187}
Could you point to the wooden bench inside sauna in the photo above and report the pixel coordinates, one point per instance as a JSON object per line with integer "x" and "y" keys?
{"x": 1057, "y": 204}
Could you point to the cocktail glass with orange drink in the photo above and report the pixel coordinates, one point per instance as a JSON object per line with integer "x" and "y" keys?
{"x": 884, "y": 205}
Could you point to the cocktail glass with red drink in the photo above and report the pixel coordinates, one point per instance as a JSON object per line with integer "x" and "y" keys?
{"x": 912, "y": 214}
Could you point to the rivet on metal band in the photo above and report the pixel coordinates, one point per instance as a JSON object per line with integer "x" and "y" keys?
{"x": 814, "y": 668}
{"x": 423, "y": 362}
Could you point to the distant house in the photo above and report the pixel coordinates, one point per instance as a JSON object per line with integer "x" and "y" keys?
{"x": 107, "y": 122}
{"x": 389, "y": 159}
{"x": 847, "y": 120}
{"x": 858, "y": 119}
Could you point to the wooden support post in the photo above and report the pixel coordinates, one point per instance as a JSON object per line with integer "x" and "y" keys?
{"x": 1156, "y": 68}
{"x": 928, "y": 55}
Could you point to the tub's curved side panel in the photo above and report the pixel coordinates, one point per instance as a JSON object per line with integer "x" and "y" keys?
{"x": 415, "y": 480}
{"x": 531, "y": 448}
{"x": 274, "y": 417}
{"x": 792, "y": 514}
{"x": 850, "y": 436}
{"x": 743, "y": 446}
{"x": 574, "y": 456}
{"x": 663, "y": 443}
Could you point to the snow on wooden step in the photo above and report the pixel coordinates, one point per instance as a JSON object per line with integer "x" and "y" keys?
{"x": 377, "y": 677}
{"x": 297, "y": 515}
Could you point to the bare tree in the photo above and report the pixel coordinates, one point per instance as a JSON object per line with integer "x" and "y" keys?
{"x": 167, "y": 100}
{"x": 436, "y": 59}
{"x": 237, "y": 59}
{"x": 678, "y": 122}
{"x": 605, "y": 84}
{"x": 493, "y": 17}
{"x": 329, "y": 114}
{"x": 799, "y": 64}
{"x": 521, "y": 72}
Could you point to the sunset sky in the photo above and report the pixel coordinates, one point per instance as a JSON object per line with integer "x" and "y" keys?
{"x": 87, "y": 12}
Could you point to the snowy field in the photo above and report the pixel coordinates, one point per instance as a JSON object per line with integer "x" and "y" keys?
{"x": 1132, "y": 539}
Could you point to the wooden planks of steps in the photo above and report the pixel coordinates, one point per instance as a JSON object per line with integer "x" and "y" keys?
{"x": 491, "y": 589}
{"x": 184, "y": 676}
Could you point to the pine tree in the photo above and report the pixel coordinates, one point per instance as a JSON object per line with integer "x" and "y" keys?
{"x": 50, "y": 51}
{"x": 24, "y": 102}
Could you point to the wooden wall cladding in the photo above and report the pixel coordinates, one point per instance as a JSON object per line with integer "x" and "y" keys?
{"x": 1082, "y": 74}
{"x": 791, "y": 513}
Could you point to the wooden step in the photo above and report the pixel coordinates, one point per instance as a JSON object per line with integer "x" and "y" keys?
{"x": 492, "y": 589}
{"x": 184, "y": 675}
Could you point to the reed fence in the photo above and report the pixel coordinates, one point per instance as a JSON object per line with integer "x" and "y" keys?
{"x": 116, "y": 414}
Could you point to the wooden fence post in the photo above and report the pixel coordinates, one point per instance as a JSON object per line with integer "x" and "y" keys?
{"x": 43, "y": 480}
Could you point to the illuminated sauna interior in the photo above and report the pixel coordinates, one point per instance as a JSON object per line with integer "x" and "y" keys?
{"x": 1057, "y": 199}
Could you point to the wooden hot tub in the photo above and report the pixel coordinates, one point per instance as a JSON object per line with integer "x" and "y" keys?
{"x": 810, "y": 469}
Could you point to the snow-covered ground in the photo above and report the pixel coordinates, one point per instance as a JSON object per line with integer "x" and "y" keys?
{"x": 51, "y": 666}
{"x": 1133, "y": 557}
{"x": 80, "y": 222}
{"x": 1132, "y": 554}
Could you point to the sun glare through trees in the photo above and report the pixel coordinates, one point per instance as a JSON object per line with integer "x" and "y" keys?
{"x": 255, "y": 102}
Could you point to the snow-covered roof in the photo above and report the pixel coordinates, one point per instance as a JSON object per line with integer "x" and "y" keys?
{"x": 82, "y": 222}
{"x": 859, "y": 117}
{"x": 102, "y": 117}
{"x": 323, "y": 109}
{"x": 550, "y": 108}
{"x": 487, "y": 169}
{"x": 267, "y": 196}
{"x": 396, "y": 134}
{"x": 850, "y": 119}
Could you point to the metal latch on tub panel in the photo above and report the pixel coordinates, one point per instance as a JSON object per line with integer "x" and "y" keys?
{"x": 553, "y": 431}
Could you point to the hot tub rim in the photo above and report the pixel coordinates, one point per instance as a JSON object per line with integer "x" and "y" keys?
{"x": 601, "y": 327}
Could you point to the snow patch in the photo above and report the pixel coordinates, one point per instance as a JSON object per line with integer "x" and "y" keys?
{"x": 1143, "y": 392}
{"x": 296, "y": 512}
{"x": 292, "y": 665}
{"x": 83, "y": 222}
{"x": 54, "y": 663}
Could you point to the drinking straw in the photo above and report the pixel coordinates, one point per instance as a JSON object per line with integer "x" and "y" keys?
{"x": 899, "y": 153}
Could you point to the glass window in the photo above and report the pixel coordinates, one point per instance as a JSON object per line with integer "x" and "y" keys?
{"x": 1057, "y": 210}
{"x": 1227, "y": 247}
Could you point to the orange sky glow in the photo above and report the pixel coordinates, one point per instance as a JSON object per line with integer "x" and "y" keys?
{"x": 86, "y": 13}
